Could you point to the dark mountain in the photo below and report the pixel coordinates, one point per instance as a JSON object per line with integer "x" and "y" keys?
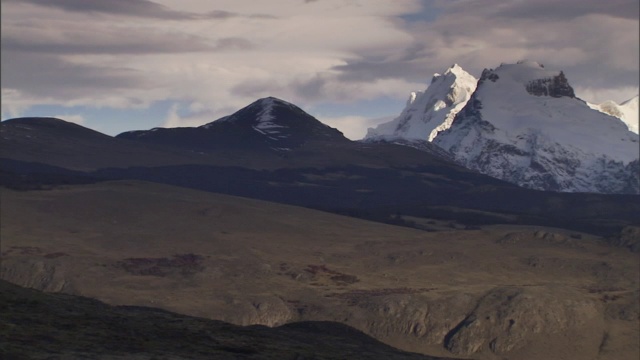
{"x": 67, "y": 145}
{"x": 422, "y": 145}
{"x": 267, "y": 123}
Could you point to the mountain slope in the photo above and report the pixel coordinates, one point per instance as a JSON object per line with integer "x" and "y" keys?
{"x": 64, "y": 144}
{"x": 524, "y": 125}
{"x": 432, "y": 111}
{"x": 627, "y": 111}
{"x": 268, "y": 123}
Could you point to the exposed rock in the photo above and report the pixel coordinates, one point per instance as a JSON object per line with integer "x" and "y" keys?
{"x": 41, "y": 275}
{"x": 629, "y": 238}
{"x": 557, "y": 86}
{"x": 509, "y": 319}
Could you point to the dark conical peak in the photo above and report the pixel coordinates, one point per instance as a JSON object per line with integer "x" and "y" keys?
{"x": 277, "y": 122}
{"x": 270, "y": 102}
{"x": 272, "y": 99}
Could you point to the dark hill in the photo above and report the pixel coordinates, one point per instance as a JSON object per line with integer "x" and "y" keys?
{"x": 267, "y": 124}
{"x": 39, "y": 325}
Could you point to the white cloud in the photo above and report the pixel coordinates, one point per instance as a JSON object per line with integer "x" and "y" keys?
{"x": 354, "y": 127}
{"x": 74, "y": 118}
{"x": 598, "y": 96}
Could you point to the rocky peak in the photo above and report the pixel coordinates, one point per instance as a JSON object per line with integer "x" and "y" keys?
{"x": 523, "y": 124}
{"x": 431, "y": 111}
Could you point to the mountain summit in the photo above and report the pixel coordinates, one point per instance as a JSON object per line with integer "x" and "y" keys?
{"x": 627, "y": 111}
{"x": 268, "y": 123}
{"x": 523, "y": 124}
{"x": 431, "y": 111}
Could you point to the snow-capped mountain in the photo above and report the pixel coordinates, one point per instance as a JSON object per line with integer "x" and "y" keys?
{"x": 523, "y": 124}
{"x": 268, "y": 123}
{"x": 431, "y": 111}
{"x": 626, "y": 111}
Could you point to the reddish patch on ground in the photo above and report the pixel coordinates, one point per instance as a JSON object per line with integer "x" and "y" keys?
{"x": 55, "y": 255}
{"x": 355, "y": 296}
{"x": 23, "y": 250}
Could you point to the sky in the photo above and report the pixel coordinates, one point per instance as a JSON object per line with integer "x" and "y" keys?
{"x": 121, "y": 65}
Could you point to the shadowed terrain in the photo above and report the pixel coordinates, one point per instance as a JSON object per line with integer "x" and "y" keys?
{"x": 41, "y": 326}
{"x": 375, "y": 181}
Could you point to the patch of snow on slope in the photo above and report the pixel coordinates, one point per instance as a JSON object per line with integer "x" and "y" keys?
{"x": 264, "y": 121}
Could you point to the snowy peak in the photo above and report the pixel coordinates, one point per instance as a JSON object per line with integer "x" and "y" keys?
{"x": 431, "y": 111}
{"x": 524, "y": 125}
{"x": 627, "y": 111}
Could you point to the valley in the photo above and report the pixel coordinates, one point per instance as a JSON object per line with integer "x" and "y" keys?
{"x": 458, "y": 230}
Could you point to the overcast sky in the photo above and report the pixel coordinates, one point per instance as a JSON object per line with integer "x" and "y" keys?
{"x": 117, "y": 65}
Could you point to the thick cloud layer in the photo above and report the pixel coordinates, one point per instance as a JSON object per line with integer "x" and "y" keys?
{"x": 216, "y": 56}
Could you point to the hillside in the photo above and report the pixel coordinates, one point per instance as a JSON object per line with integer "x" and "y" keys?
{"x": 437, "y": 292}
{"x": 76, "y": 327}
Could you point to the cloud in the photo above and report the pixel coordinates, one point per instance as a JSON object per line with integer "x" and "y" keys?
{"x": 107, "y": 40}
{"x": 128, "y": 8}
{"x": 194, "y": 114}
{"x": 51, "y": 78}
{"x": 225, "y": 54}
{"x": 233, "y": 43}
{"x": 552, "y": 10}
{"x": 76, "y": 119}
{"x": 354, "y": 127}
{"x": 138, "y": 8}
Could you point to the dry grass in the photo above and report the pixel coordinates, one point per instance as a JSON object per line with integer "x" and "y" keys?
{"x": 253, "y": 262}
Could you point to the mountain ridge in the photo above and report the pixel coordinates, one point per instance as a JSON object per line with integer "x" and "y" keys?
{"x": 430, "y": 111}
{"x": 268, "y": 123}
{"x": 524, "y": 124}
{"x": 627, "y": 111}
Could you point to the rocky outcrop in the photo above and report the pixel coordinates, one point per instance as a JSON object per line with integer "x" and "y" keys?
{"x": 499, "y": 323}
{"x": 556, "y": 86}
{"x": 43, "y": 275}
{"x": 507, "y": 320}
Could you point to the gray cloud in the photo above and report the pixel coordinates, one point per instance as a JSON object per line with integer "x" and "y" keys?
{"x": 138, "y": 8}
{"x": 541, "y": 9}
{"x": 233, "y": 43}
{"x": 52, "y": 77}
{"x": 363, "y": 70}
{"x": 255, "y": 89}
{"x": 134, "y": 8}
{"x": 310, "y": 89}
{"x": 568, "y": 9}
{"x": 122, "y": 41}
